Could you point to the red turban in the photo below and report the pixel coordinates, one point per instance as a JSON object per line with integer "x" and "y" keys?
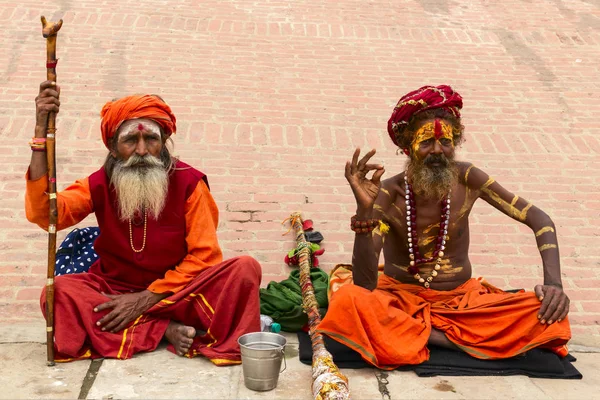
{"x": 137, "y": 106}
{"x": 425, "y": 98}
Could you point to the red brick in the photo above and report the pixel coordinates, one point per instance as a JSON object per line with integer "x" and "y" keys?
{"x": 29, "y": 294}
{"x": 271, "y": 104}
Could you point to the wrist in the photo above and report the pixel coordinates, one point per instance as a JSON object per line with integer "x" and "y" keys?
{"x": 555, "y": 284}
{"x": 40, "y": 131}
{"x": 154, "y": 298}
{"x": 364, "y": 213}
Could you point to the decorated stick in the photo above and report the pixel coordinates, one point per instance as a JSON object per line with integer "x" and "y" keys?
{"x": 49, "y": 31}
{"x": 328, "y": 382}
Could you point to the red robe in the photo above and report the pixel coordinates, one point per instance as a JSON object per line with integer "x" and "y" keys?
{"x": 181, "y": 256}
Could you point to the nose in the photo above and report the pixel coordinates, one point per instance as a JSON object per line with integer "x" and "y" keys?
{"x": 437, "y": 147}
{"x": 141, "y": 149}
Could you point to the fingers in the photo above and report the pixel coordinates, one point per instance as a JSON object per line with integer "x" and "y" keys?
{"x": 107, "y": 319}
{"x": 347, "y": 170}
{"x": 545, "y": 303}
{"x": 46, "y": 85}
{"x": 376, "y": 179}
{"x": 559, "y": 310}
{"x": 50, "y": 92}
{"x": 49, "y": 107}
{"x": 48, "y": 100}
{"x": 48, "y": 89}
{"x": 353, "y": 166}
{"x": 563, "y": 315}
{"x": 104, "y": 306}
{"x": 539, "y": 293}
{"x": 117, "y": 324}
{"x": 113, "y": 326}
{"x": 549, "y": 304}
{"x": 366, "y": 157}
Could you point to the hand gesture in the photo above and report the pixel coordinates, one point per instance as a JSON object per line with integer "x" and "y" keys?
{"x": 555, "y": 303}
{"x": 125, "y": 308}
{"x": 365, "y": 190}
{"x": 46, "y": 102}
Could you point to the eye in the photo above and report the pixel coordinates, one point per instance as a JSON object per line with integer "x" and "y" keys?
{"x": 445, "y": 141}
{"x": 426, "y": 143}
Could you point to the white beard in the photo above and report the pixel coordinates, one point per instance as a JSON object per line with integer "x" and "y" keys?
{"x": 141, "y": 184}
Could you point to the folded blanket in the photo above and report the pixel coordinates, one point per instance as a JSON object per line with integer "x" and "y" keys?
{"x": 536, "y": 363}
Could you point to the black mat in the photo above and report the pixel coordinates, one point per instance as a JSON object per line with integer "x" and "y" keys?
{"x": 536, "y": 363}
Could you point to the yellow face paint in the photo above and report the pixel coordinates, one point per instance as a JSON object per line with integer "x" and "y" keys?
{"x": 438, "y": 129}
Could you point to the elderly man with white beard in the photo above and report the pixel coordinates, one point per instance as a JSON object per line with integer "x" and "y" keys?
{"x": 160, "y": 272}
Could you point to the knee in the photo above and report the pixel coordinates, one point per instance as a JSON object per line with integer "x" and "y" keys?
{"x": 349, "y": 293}
{"x": 59, "y": 284}
{"x": 248, "y": 268}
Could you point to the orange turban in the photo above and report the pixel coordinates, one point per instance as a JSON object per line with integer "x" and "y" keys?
{"x": 137, "y": 106}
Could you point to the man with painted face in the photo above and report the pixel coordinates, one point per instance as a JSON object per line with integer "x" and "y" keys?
{"x": 419, "y": 218}
{"x": 160, "y": 272}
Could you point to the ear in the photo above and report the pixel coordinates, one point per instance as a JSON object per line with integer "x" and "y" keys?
{"x": 113, "y": 154}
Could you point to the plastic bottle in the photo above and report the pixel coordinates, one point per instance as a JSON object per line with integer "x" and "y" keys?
{"x": 267, "y": 324}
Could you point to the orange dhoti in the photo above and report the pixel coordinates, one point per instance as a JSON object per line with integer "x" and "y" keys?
{"x": 391, "y": 325}
{"x": 222, "y": 303}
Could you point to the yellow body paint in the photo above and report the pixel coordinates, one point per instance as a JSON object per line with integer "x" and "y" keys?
{"x": 401, "y": 268}
{"x": 547, "y": 247}
{"x": 544, "y": 230}
{"x": 395, "y": 220}
{"x": 467, "y": 173}
{"x": 510, "y": 208}
{"x": 430, "y": 227}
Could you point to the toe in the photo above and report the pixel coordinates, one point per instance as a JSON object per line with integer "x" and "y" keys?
{"x": 190, "y": 332}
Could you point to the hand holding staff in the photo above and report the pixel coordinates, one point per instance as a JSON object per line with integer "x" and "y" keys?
{"x": 49, "y": 31}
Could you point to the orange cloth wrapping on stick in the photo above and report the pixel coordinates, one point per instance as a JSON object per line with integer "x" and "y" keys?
{"x": 391, "y": 325}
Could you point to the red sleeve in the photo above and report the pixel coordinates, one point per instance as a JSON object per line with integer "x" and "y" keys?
{"x": 201, "y": 221}
{"x": 74, "y": 203}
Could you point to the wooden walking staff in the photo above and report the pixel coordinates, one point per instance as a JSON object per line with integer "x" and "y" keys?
{"x": 49, "y": 31}
{"x": 328, "y": 382}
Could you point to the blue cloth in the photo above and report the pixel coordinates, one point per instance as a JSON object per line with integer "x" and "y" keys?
{"x": 76, "y": 253}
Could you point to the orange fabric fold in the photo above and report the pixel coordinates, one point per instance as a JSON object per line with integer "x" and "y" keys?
{"x": 391, "y": 325}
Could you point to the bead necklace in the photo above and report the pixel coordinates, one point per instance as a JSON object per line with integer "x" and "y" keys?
{"x": 131, "y": 234}
{"x": 413, "y": 240}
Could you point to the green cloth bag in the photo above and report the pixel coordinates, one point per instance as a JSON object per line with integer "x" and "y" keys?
{"x": 282, "y": 301}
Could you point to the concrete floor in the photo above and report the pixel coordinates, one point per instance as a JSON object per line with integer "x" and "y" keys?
{"x": 162, "y": 375}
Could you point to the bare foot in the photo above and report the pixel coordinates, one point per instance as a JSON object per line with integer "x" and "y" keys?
{"x": 180, "y": 336}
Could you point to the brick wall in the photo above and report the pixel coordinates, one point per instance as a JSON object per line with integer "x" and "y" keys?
{"x": 272, "y": 97}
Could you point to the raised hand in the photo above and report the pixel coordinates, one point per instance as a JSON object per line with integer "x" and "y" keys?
{"x": 365, "y": 190}
{"x": 46, "y": 102}
{"x": 555, "y": 303}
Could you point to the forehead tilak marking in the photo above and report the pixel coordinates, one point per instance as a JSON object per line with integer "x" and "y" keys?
{"x": 130, "y": 126}
{"x": 438, "y": 129}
